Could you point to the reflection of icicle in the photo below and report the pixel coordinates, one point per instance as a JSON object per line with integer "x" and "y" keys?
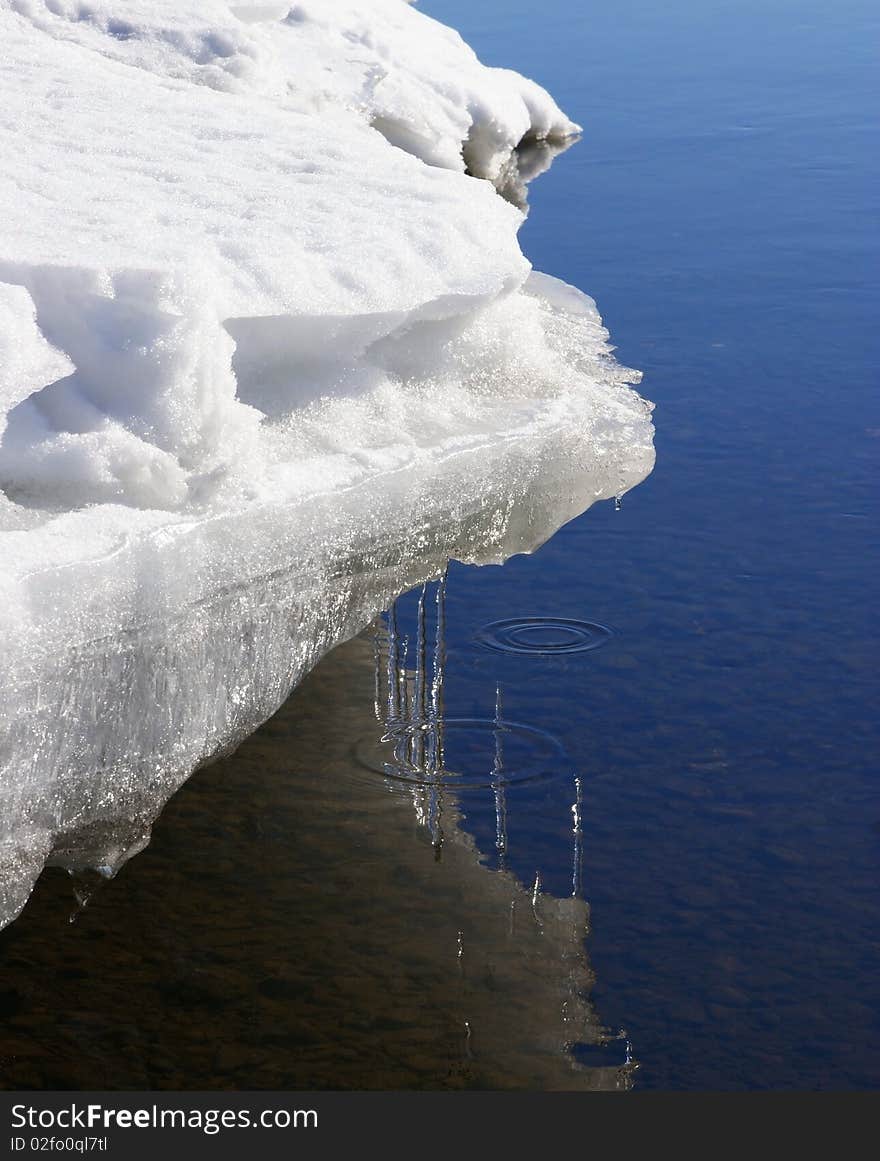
{"x": 432, "y": 715}
{"x": 498, "y": 787}
{"x": 381, "y": 625}
{"x": 468, "y": 1032}
{"x": 428, "y": 805}
{"x": 403, "y": 698}
{"x": 435, "y": 819}
{"x": 413, "y": 713}
{"x": 393, "y": 668}
{"x": 536, "y": 895}
{"x": 84, "y": 885}
{"x": 419, "y": 708}
{"x": 577, "y": 860}
{"x": 626, "y": 1071}
{"x": 435, "y": 738}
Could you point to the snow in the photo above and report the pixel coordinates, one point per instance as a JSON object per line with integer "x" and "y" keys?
{"x": 269, "y": 353}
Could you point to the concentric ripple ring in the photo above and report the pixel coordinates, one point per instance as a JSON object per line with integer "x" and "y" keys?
{"x": 546, "y": 636}
{"x": 463, "y": 753}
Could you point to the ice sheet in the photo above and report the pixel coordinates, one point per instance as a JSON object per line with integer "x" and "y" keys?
{"x": 268, "y": 355}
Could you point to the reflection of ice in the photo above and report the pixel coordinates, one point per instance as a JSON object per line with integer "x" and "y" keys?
{"x": 287, "y": 891}
{"x": 409, "y": 706}
{"x": 411, "y": 711}
{"x": 498, "y": 787}
{"x": 409, "y": 687}
{"x": 577, "y": 861}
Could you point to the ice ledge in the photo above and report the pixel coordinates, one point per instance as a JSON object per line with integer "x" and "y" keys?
{"x": 260, "y": 369}
{"x": 99, "y": 731}
{"x": 141, "y": 644}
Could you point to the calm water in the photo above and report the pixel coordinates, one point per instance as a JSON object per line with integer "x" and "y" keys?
{"x": 710, "y": 791}
{"x": 722, "y": 210}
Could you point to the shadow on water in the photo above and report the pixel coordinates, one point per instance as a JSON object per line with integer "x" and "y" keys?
{"x": 302, "y": 921}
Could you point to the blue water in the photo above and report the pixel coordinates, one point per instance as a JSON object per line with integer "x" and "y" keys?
{"x": 721, "y": 208}
{"x": 295, "y": 925}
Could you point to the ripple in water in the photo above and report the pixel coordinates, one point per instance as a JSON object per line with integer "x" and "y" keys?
{"x": 463, "y": 753}
{"x": 543, "y": 635}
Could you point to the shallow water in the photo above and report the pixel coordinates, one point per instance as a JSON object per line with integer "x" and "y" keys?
{"x": 301, "y": 922}
{"x": 313, "y": 912}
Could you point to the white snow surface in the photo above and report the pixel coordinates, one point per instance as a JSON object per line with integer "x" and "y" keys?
{"x": 259, "y": 318}
{"x": 172, "y": 169}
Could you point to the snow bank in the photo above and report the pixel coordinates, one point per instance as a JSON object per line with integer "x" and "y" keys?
{"x": 267, "y": 355}
{"x": 174, "y": 168}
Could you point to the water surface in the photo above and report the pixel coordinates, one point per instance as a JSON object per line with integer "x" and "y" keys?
{"x": 301, "y": 922}
{"x": 708, "y": 801}
{"x": 722, "y": 210}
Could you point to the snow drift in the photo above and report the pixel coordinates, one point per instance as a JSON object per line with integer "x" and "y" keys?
{"x": 269, "y": 354}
